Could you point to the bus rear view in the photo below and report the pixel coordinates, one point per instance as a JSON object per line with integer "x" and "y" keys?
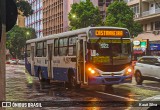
{"x": 108, "y": 58}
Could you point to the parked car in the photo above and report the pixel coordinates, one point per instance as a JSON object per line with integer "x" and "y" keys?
{"x": 21, "y": 62}
{"x": 13, "y": 61}
{"x": 147, "y": 68}
{"x": 8, "y": 62}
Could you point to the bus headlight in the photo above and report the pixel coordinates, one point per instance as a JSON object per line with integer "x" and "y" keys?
{"x": 128, "y": 71}
{"x": 93, "y": 72}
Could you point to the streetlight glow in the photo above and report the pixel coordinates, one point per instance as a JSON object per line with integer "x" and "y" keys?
{"x": 74, "y": 16}
{"x": 27, "y": 33}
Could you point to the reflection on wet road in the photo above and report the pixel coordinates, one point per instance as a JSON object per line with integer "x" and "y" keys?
{"x": 20, "y": 86}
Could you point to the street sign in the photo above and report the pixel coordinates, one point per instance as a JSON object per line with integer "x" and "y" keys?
{"x": 143, "y": 44}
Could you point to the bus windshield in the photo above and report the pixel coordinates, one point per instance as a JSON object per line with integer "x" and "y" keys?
{"x": 110, "y": 51}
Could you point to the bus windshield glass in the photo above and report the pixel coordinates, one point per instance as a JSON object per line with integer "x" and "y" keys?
{"x": 110, "y": 51}
{"x": 109, "y": 46}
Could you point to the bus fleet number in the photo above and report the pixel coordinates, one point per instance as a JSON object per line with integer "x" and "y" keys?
{"x": 104, "y": 45}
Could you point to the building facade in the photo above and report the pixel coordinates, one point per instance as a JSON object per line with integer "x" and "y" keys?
{"x": 55, "y": 14}
{"x": 51, "y": 16}
{"x": 147, "y": 12}
{"x": 36, "y": 19}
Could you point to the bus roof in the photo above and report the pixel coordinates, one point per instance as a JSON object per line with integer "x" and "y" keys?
{"x": 71, "y": 33}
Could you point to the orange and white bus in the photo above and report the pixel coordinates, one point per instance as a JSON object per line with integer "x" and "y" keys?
{"x": 92, "y": 55}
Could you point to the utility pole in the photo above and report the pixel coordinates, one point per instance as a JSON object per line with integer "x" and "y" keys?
{"x": 2, "y": 48}
{"x": 8, "y": 18}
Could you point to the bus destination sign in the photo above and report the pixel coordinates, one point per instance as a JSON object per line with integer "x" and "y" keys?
{"x": 109, "y": 33}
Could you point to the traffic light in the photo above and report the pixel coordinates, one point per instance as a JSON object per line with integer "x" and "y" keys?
{"x": 8, "y": 17}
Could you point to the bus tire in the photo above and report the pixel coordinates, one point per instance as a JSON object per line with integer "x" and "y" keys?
{"x": 72, "y": 81}
{"x": 40, "y": 76}
{"x": 66, "y": 84}
{"x": 138, "y": 78}
{"x": 48, "y": 81}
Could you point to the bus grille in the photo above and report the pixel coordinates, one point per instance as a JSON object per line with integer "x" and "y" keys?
{"x": 112, "y": 79}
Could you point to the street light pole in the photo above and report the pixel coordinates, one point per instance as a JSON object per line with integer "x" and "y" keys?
{"x": 2, "y": 48}
{"x": 147, "y": 47}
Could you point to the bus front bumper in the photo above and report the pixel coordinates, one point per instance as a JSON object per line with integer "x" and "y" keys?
{"x": 109, "y": 79}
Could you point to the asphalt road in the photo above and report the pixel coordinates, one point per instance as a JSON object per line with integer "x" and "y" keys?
{"x": 20, "y": 86}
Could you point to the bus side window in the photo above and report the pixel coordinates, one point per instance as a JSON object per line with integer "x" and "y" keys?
{"x": 28, "y": 50}
{"x": 63, "y": 46}
{"x": 44, "y": 48}
{"x": 72, "y": 46}
{"x": 39, "y": 49}
{"x": 56, "y": 47}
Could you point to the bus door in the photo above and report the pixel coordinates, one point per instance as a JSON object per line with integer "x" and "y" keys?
{"x": 81, "y": 51}
{"x": 32, "y": 58}
{"x": 49, "y": 57}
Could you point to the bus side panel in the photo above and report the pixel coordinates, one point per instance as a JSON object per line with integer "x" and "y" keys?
{"x": 60, "y": 73}
{"x": 44, "y": 71}
{"x": 111, "y": 79}
{"x": 36, "y": 70}
{"x": 28, "y": 66}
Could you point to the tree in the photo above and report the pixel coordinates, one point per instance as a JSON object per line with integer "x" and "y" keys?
{"x": 83, "y": 15}
{"x": 120, "y": 15}
{"x": 16, "y": 39}
{"x": 24, "y": 7}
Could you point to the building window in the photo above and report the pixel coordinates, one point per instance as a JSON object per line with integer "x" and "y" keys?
{"x": 151, "y": 5}
{"x": 157, "y": 25}
{"x": 157, "y": 5}
{"x": 135, "y": 8}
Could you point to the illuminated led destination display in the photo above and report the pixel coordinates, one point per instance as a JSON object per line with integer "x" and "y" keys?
{"x": 107, "y": 33}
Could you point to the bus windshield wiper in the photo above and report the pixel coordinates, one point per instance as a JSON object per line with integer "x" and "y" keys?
{"x": 98, "y": 40}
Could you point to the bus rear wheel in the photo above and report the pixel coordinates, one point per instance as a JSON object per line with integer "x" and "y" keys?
{"x": 40, "y": 76}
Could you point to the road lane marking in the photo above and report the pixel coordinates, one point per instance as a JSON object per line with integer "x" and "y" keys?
{"x": 148, "y": 87}
{"x": 144, "y": 86}
{"x": 126, "y": 98}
